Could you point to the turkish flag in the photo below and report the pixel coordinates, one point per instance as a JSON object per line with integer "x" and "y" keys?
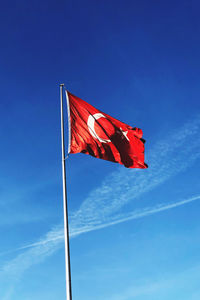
{"x": 98, "y": 134}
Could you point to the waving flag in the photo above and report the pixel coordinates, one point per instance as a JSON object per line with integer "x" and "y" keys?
{"x": 100, "y": 135}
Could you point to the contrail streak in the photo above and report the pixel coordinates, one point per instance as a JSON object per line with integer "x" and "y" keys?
{"x": 136, "y": 214}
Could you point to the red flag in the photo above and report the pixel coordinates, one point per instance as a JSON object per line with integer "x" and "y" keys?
{"x": 98, "y": 134}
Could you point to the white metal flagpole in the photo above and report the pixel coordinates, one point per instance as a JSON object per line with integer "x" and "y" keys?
{"x": 66, "y": 225}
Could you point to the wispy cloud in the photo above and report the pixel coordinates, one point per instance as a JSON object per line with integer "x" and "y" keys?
{"x": 53, "y": 240}
{"x": 136, "y": 214}
{"x": 103, "y": 206}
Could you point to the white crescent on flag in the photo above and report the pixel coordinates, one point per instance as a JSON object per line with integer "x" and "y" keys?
{"x": 90, "y": 124}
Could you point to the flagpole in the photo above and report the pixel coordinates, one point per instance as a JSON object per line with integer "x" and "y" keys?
{"x": 66, "y": 225}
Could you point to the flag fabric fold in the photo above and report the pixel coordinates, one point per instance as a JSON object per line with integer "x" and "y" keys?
{"x": 100, "y": 135}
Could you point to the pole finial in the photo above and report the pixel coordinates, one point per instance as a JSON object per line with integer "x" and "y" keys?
{"x": 62, "y": 84}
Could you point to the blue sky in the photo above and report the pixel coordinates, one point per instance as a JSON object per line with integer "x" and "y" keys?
{"x": 134, "y": 233}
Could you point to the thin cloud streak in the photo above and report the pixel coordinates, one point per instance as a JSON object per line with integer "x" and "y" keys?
{"x": 75, "y": 232}
{"x": 48, "y": 240}
{"x": 135, "y": 215}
